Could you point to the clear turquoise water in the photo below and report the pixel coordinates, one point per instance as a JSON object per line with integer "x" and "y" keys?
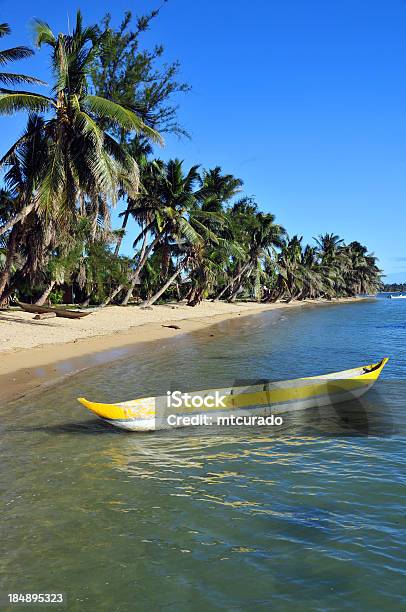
{"x": 310, "y": 516}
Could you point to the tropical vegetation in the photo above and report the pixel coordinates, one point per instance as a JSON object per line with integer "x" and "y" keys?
{"x": 394, "y": 287}
{"x": 89, "y": 145}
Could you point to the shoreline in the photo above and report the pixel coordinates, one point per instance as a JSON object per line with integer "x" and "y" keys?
{"x": 30, "y": 369}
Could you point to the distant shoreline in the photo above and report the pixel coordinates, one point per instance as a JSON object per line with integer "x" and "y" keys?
{"x": 33, "y": 361}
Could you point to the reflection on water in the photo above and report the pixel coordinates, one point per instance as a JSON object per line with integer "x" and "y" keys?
{"x": 216, "y": 518}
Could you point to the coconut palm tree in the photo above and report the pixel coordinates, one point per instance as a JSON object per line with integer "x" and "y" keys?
{"x": 162, "y": 208}
{"x": 313, "y": 283}
{"x": 290, "y": 269}
{"x": 328, "y": 246}
{"x": 187, "y": 227}
{"x": 217, "y": 189}
{"x": 25, "y": 170}
{"x": 257, "y": 234}
{"x": 363, "y": 275}
{"x": 83, "y": 156}
{"x": 210, "y": 256}
{"x": 176, "y": 222}
{"x": 215, "y": 192}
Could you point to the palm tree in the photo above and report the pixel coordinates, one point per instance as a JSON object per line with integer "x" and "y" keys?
{"x": 171, "y": 225}
{"x": 328, "y": 246}
{"x": 290, "y": 271}
{"x": 195, "y": 250}
{"x": 83, "y": 156}
{"x": 216, "y": 189}
{"x": 333, "y": 261}
{"x": 25, "y": 170}
{"x": 9, "y": 244}
{"x": 312, "y": 280}
{"x": 257, "y": 234}
{"x": 186, "y": 226}
{"x": 143, "y": 209}
{"x": 162, "y": 207}
{"x": 363, "y": 275}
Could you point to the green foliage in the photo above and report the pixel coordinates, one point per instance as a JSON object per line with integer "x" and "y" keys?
{"x": 99, "y": 270}
{"x": 137, "y": 78}
{"x": 394, "y": 287}
{"x": 86, "y": 146}
{"x": 56, "y": 296}
{"x": 82, "y": 158}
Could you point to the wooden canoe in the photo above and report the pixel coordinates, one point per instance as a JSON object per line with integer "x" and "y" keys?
{"x": 152, "y": 413}
{"x": 60, "y": 312}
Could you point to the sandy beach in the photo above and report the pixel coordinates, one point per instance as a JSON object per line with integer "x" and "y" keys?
{"x": 38, "y": 353}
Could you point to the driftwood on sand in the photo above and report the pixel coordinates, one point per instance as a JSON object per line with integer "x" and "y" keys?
{"x": 45, "y": 315}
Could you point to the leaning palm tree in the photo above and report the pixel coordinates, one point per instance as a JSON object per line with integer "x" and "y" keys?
{"x": 194, "y": 250}
{"x": 290, "y": 281}
{"x": 257, "y": 233}
{"x": 363, "y": 275}
{"x": 83, "y": 156}
{"x": 186, "y": 228}
{"x": 313, "y": 283}
{"x": 266, "y": 235}
{"x": 162, "y": 207}
{"x": 171, "y": 224}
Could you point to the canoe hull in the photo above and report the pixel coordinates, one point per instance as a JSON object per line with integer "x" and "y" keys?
{"x": 221, "y": 417}
{"x": 152, "y": 414}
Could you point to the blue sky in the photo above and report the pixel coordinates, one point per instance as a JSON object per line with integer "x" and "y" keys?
{"x": 305, "y": 101}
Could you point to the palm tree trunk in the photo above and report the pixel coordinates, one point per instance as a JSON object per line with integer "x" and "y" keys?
{"x": 46, "y": 293}
{"x": 112, "y": 296}
{"x": 234, "y": 294}
{"x": 178, "y": 292}
{"x": 11, "y": 250}
{"x": 19, "y": 217}
{"x": 136, "y": 273}
{"x": 232, "y": 281}
{"x": 123, "y": 226}
{"x": 196, "y": 298}
{"x": 129, "y": 293}
{"x": 136, "y": 276}
{"x": 94, "y": 220}
{"x": 162, "y": 290}
{"x": 190, "y": 297}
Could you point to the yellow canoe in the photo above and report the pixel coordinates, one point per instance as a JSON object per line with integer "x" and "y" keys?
{"x": 211, "y": 406}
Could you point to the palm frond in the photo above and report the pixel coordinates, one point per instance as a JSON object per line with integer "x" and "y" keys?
{"x": 120, "y": 115}
{"x": 14, "y": 54}
{"x": 43, "y": 33}
{"x": 89, "y": 128}
{"x": 4, "y": 29}
{"x": 11, "y": 102}
{"x": 187, "y": 231}
{"x": 10, "y": 78}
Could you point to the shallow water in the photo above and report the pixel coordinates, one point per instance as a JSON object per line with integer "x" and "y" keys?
{"x": 307, "y": 516}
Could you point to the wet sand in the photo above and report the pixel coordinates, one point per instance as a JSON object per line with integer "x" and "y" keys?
{"x": 36, "y": 354}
